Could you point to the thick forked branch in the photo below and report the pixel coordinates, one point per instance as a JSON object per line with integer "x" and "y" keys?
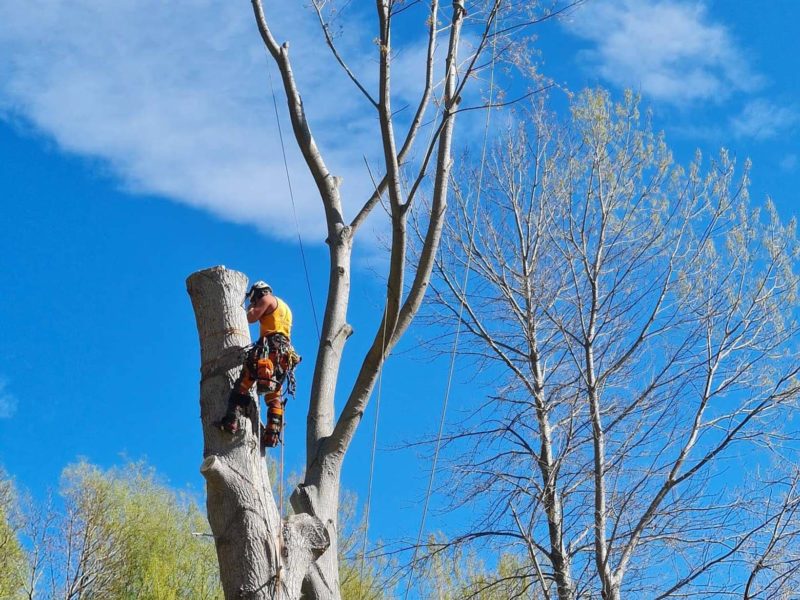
{"x": 326, "y": 442}
{"x": 335, "y": 329}
{"x": 359, "y": 396}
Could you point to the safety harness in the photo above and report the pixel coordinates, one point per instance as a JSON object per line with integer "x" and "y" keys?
{"x": 268, "y": 363}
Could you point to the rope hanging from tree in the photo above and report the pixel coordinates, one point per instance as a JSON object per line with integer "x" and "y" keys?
{"x": 294, "y": 207}
{"x": 464, "y": 285}
{"x": 375, "y": 427}
{"x": 281, "y": 475}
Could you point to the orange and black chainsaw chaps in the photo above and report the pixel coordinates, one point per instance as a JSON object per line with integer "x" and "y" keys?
{"x": 268, "y": 364}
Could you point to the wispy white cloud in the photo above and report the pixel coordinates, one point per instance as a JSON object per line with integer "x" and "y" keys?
{"x": 762, "y": 119}
{"x": 8, "y": 402}
{"x": 670, "y": 50}
{"x": 174, "y": 96}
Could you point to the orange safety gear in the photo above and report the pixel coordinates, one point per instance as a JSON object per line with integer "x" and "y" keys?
{"x": 278, "y": 321}
{"x": 269, "y": 363}
{"x": 271, "y": 433}
{"x": 264, "y": 370}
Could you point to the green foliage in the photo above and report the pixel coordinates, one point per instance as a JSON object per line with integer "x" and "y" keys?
{"x": 151, "y": 529}
{"x": 360, "y": 577}
{"x": 122, "y": 534}
{"x": 358, "y": 584}
{"x": 13, "y": 563}
{"x": 452, "y": 574}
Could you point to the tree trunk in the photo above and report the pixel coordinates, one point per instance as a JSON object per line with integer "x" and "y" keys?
{"x": 318, "y": 496}
{"x": 260, "y": 557}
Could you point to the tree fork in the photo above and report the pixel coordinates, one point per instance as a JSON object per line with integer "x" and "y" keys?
{"x": 257, "y": 553}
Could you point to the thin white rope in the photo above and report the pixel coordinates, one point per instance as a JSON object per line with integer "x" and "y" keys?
{"x": 281, "y": 515}
{"x": 375, "y": 427}
{"x": 454, "y": 350}
{"x": 282, "y": 440}
{"x": 372, "y": 462}
{"x": 294, "y": 207}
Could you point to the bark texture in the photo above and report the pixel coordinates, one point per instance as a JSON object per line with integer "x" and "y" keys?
{"x": 328, "y": 437}
{"x": 260, "y": 557}
{"x": 232, "y": 465}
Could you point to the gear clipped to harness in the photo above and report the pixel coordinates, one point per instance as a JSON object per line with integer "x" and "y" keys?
{"x": 268, "y": 364}
{"x": 264, "y": 371}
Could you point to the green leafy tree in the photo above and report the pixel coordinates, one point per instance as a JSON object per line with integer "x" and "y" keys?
{"x": 451, "y": 572}
{"x": 150, "y": 532}
{"x": 13, "y": 562}
{"x": 121, "y": 533}
{"x": 118, "y": 533}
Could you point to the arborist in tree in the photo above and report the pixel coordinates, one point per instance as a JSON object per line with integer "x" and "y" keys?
{"x": 268, "y": 363}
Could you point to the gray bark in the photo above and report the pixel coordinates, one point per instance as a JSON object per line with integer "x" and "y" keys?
{"x": 239, "y": 495}
{"x": 259, "y": 556}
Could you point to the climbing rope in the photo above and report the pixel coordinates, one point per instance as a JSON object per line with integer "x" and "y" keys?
{"x": 294, "y": 207}
{"x": 281, "y": 494}
{"x": 290, "y": 390}
{"x": 280, "y": 504}
{"x": 375, "y": 428}
{"x": 454, "y": 350}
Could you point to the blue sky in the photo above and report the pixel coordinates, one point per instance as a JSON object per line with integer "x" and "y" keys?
{"x": 138, "y": 144}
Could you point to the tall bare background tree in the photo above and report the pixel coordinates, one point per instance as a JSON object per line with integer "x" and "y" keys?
{"x": 641, "y": 321}
{"x": 259, "y": 556}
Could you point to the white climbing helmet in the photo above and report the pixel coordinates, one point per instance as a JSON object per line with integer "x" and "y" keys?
{"x": 261, "y": 287}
